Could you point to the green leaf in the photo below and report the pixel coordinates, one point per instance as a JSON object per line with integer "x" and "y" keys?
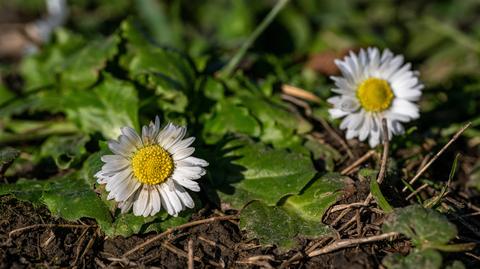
{"x": 314, "y": 201}
{"x": 324, "y": 152}
{"x": 377, "y": 194}
{"x": 40, "y": 70}
{"x": 278, "y": 226}
{"x": 474, "y": 176}
{"x": 5, "y": 94}
{"x": 230, "y": 118}
{"x": 166, "y": 71}
{"x": 107, "y": 107}
{"x": 455, "y": 265}
{"x": 429, "y": 258}
{"x": 93, "y": 164}
{"x": 71, "y": 198}
{"x": 425, "y": 227}
{"x": 435, "y": 200}
{"x": 82, "y": 69}
{"x": 65, "y": 150}
{"x": 7, "y": 156}
{"x": 125, "y": 225}
{"x": 252, "y": 171}
{"x": 25, "y": 190}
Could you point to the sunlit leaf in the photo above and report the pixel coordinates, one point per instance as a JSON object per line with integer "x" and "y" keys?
{"x": 106, "y": 108}
{"x": 429, "y": 258}
{"x": 71, "y": 198}
{"x": 65, "y": 150}
{"x": 275, "y": 225}
{"x": 425, "y": 227}
{"x": 314, "y": 201}
{"x": 249, "y": 171}
{"x": 83, "y": 68}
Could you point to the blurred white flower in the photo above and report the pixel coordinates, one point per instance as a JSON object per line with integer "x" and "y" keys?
{"x": 374, "y": 86}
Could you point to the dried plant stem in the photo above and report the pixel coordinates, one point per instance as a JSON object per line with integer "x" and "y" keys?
{"x": 351, "y": 242}
{"x": 416, "y": 191}
{"x": 386, "y": 145}
{"x": 73, "y": 226}
{"x": 190, "y": 254}
{"x": 358, "y": 162}
{"x": 453, "y": 139}
{"x": 180, "y": 227}
{"x": 300, "y": 93}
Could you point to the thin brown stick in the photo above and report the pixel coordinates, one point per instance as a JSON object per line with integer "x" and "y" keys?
{"x": 73, "y": 226}
{"x": 169, "y": 246}
{"x": 345, "y": 206}
{"x": 300, "y": 93}
{"x": 260, "y": 260}
{"x": 416, "y": 191}
{"x": 180, "y": 227}
{"x": 358, "y": 162}
{"x": 190, "y": 254}
{"x": 453, "y": 139}
{"x": 306, "y": 107}
{"x": 383, "y": 166}
{"x": 89, "y": 244}
{"x": 79, "y": 242}
{"x": 99, "y": 263}
{"x": 335, "y": 136}
{"x": 351, "y": 242}
{"x": 340, "y": 216}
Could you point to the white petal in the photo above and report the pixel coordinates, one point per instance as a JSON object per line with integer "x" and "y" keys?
{"x": 132, "y": 136}
{"x": 176, "y": 136}
{"x": 187, "y": 183}
{"x": 183, "y": 153}
{"x": 173, "y": 197}
{"x": 166, "y": 132}
{"x": 119, "y": 149}
{"x": 181, "y": 144}
{"x": 140, "y": 204}
{"x": 132, "y": 186}
{"x": 404, "y": 107}
{"x": 125, "y": 206}
{"x": 189, "y": 172}
{"x": 184, "y": 196}
{"x": 111, "y": 158}
{"x": 118, "y": 178}
{"x": 166, "y": 201}
{"x": 156, "y": 201}
{"x": 193, "y": 161}
{"x": 336, "y": 113}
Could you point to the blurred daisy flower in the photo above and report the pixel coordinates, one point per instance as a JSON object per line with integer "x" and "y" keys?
{"x": 152, "y": 170}
{"x": 374, "y": 86}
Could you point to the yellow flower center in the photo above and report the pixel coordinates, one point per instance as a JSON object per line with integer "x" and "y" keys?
{"x": 375, "y": 94}
{"x": 152, "y": 165}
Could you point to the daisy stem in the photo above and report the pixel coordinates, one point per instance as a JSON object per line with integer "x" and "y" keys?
{"x": 230, "y": 67}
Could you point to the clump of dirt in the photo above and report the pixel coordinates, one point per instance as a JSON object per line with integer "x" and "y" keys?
{"x": 43, "y": 243}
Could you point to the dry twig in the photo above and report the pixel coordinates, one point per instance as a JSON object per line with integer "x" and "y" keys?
{"x": 351, "y": 242}
{"x": 416, "y": 191}
{"x": 358, "y": 162}
{"x": 73, "y": 226}
{"x": 190, "y": 254}
{"x": 180, "y": 227}
{"x": 453, "y": 139}
{"x": 386, "y": 145}
{"x": 300, "y": 93}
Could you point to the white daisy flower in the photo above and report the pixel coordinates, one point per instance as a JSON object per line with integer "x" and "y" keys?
{"x": 374, "y": 86}
{"x": 152, "y": 171}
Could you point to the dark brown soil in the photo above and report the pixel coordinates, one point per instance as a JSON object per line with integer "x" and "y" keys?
{"x": 216, "y": 244}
